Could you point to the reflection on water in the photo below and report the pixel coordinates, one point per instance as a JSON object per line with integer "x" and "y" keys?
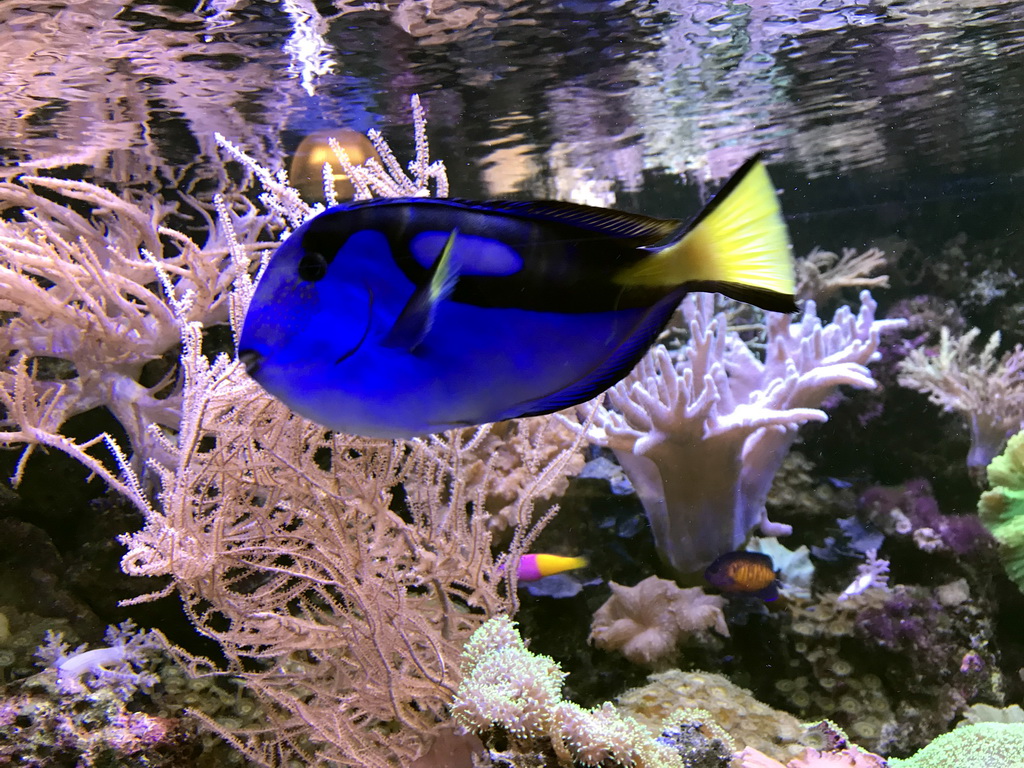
{"x": 122, "y": 88}
{"x": 567, "y": 98}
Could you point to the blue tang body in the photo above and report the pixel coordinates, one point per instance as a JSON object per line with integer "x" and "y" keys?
{"x": 400, "y": 317}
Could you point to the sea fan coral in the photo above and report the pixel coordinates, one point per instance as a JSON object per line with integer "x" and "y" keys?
{"x": 343, "y": 615}
{"x": 822, "y": 274}
{"x": 504, "y": 462}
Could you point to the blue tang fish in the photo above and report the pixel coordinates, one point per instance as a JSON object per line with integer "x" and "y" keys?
{"x": 744, "y": 573}
{"x": 400, "y": 317}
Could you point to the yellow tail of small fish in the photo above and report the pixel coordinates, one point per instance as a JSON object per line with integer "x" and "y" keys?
{"x": 549, "y": 565}
{"x": 737, "y": 246}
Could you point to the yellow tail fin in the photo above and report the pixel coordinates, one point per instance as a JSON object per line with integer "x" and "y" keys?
{"x": 738, "y": 246}
{"x": 548, "y": 565}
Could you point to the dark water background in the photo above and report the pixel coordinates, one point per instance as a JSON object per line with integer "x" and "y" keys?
{"x": 877, "y": 118}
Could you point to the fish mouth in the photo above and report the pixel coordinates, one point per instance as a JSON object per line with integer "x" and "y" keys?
{"x": 252, "y": 360}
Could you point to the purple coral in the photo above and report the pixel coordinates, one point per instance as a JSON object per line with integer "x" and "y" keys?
{"x": 911, "y": 509}
{"x": 131, "y": 732}
{"x": 910, "y": 622}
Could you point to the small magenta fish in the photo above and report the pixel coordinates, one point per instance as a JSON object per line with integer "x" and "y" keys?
{"x": 401, "y": 317}
{"x": 536, "y": 567}
{"x": 744, "y": 573}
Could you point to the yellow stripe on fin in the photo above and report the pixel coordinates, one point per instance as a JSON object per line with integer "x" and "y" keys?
{"x": 445, "y": 273}
{"x": 417, "y": 317}
{"x": 738, "y": 245}
{"x": 548, "y": 565}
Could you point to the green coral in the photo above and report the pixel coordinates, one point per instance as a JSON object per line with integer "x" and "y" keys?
{"x": 984, "y": 745}
{"x": 1002, "y": 508}
{"x": 506, "y": 690}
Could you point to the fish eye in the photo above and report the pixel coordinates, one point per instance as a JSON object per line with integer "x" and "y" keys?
{"x": 312, "y": 266}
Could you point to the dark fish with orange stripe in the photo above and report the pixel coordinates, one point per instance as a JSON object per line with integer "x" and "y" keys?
{"x": 744, "y": 573}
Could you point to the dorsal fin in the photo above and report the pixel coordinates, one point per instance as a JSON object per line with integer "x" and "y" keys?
{"x": 636, "y": 229}
{"x": 417, "y": 316}
{"x": 640, "y": 230}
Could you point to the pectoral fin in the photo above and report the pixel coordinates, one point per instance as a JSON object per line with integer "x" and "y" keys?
{"x": 417, "y": 316}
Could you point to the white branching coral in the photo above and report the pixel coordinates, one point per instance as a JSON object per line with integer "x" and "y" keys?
{"x": 387, "y": 178}
{"x": 645, "y": 622}
{"x": 987, "y": 390}
{"x": 278, "y": 196}
{"x": 702, "y": 434}
{"x": 506, "y": 687}
{"x": 873, "y": 573}
{"x": 508, "y": 457}
{"x": 383, "y": 178}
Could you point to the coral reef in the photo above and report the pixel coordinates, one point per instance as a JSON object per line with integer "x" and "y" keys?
{"x": 645, "y": 622}
{"x": 92, "y": 729}
{"x": 701, "y": 435}
{"x": 345, "y": 580}
{"x": 893, "y": 667}
{"x": 88, "y": 709}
